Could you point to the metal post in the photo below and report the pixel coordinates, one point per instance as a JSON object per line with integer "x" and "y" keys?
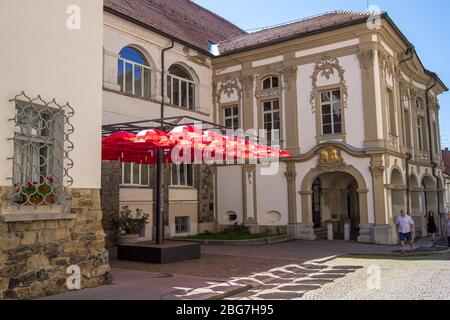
{"x": 160, "y": 163}
{"x": 160, "y": 199}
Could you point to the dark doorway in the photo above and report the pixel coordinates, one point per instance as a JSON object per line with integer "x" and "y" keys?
{"x": 353, "y": 210}
{"x": 317, "y": 218}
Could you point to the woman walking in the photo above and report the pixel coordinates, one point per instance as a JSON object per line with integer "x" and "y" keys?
{"x": 431, "y": 225}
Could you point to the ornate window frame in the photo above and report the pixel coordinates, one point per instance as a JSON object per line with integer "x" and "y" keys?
{"x": 263, "y": 96}
{"x": 228, "y": 87}
{"x": 327, "y": 67}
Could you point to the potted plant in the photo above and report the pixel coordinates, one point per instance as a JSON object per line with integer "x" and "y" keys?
{"x": 129, "y": 226}
{"x": 34, "y": 194}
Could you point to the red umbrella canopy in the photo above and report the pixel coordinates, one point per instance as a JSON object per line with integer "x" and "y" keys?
{"x": 183, "y": 144}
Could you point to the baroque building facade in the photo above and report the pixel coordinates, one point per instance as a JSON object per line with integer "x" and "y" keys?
{"x": 359, "y": 112}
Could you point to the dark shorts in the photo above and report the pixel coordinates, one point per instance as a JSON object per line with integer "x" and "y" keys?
{"x": 406, "y": 236}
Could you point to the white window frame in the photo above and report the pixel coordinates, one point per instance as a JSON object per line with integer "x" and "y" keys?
{"x": 132, "y": 182}
{"x": 232, "y": 117}
{"x": 420, "y": 133}
{"x": 133, "y": 81}
{"x": 272, "y": 112}
{"x": 178, "y": 184}
{"x": 330, "y": 103}
{"x": 271, "y": 82}
{"x": 186, "y": 82}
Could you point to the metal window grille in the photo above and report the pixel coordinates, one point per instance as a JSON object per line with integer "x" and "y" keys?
{"x": 41, "y": 161}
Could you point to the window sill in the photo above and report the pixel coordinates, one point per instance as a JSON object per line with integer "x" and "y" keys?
{"x": 32, "y": 217}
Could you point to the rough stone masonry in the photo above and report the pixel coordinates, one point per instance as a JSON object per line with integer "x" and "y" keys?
{"x": 35, "y": 256}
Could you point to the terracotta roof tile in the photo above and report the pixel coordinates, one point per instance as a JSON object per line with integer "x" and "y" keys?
{"x": 182, "y": 19}
{"x": 291, "y": 30}
{"x": 446, "y": 158}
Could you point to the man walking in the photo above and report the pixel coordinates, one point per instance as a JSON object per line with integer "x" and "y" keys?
{"x": 405, "y": 227}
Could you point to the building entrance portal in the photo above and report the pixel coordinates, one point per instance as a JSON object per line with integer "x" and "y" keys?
{"x": 335, "y": 200}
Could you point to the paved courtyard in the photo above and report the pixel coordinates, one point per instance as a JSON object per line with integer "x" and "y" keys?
{"x": 292, "y": 270}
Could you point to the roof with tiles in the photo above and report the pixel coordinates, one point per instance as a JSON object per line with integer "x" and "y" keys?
{"x": 446, "y": 158}
{"x": 181, "y": 19}
{"x": 291, "y": 30}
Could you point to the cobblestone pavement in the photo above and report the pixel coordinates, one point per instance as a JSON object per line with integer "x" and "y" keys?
{"x": 408, "y": 278}
{"x": 403, "y": 278}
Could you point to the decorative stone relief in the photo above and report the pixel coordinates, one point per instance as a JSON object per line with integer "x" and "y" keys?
{"x": 377, "y": 167}
{"x": 289, "y": 73}
{"x": 326, "y": 68}
{"x": 247, "y": 84}
{"x": 228, "y": 87}
{"x": 386, "y": 63}
{"x": 330, "y": 159}
{"x": 366, "y": 62}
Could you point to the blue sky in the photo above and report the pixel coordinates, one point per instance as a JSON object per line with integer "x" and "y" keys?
{"x": 425, "y": 23}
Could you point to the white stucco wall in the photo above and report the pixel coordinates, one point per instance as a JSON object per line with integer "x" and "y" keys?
{"x": 230, "y": 193}
{"x": 42, "y": 56}
{"x": 272, "y": 196}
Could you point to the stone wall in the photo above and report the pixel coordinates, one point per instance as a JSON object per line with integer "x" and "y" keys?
{"x": 34, "y": 256}
{"x": 205, "y": 179}
{"x": 111, "y": 179}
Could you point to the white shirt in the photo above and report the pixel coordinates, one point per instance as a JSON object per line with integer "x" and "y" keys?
{"x": 405, "y": 224}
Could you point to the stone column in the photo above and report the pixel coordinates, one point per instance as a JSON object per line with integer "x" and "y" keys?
{"x": 290, "y": 85}
{"x": 294, "y": 226}
{"x": 249, "y": 186}
{"x": 306, "y": 228}
{"x": 247, "y": 82}
{"x": 370, "y": 74}
{"x": 365, "y": 228}
{"x": 384, "y": 230}
{"x": 110, "y": 194}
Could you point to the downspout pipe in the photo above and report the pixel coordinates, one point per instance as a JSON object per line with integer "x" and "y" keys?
{"x": 430, "y": 140}
{"x": 409, "y": 55}
{"x": 160, "y": 157}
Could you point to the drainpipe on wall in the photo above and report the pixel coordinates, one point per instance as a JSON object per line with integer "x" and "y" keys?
{"x": 430, "y": 141}
{"x": 160, "y": 165}
{"x": 409, "y": 53}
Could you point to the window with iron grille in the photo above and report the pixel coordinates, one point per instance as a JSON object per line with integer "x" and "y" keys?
{"x": 181, "y": 224}
{"x": 41, "y": 160}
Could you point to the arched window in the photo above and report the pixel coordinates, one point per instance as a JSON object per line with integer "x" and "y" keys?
{"x": 181, "y": 87}
{"x": 134, "y": 73}
{"x": 271, "y": 82}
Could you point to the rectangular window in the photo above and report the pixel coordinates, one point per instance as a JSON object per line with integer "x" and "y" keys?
{"x": 231, "y": 117}
{"x": 135, "y": 174}
{"x": 330, "y": 103}
{"x": 272, "y": 120}
{"x": 420, "y": 135}
{"x": 181, "y": 224}
{"x": 182, "y": 175}
{"x": 392, "y": 112}
{"x": 408, "y": 140}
